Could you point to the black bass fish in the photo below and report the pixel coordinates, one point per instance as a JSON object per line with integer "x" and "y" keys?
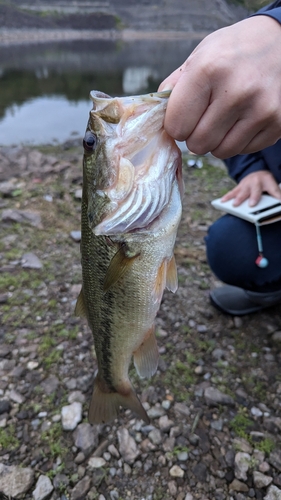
{"x": 131, "y": 209}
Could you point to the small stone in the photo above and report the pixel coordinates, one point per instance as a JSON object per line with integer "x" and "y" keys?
{"x": 256, "y": 412}
{"x": 127, "y": 469}
{"x": 182, "y": 409}
{"x": 76, "y": 236}
{"x": 78, "y": 194}
{"x": 21, "y": 216}
{"x": 43, "y": 488}
{"x": 237, "y": 485}
{"x": 50, "y": 384}
{"x": 273, "y": 493}
{"x": 16, "y": 397}
{"x": 275, "y": 459}
{"x": 155, "y": 436}
{"x": 96, "y": 462}
{"x": 127, "y": 446}
{"x": 71, "y": 415}
{"x": 217, "y": 425}
{"x": 31, "y": 365}
{"x": 188, "y": 496}
{"x": 261, "y": 480}
{"x": 76, "y": 396}
{"x": 176, "y": 471}
{"x": 5, "y": 406}
{"x": 264, "y": 467}
{"x": 214, "y": 397}
{"x": 240, "y": 444}
{"x": 242, "y": 463}
{"x": 30, "y": 261}
{"x": 182, "y": 456}
{"x": 81, "y": 489}
{"x": 113, "y": 451}
{"x": 14, "y": 480}
{"x": 86, "y": 437}
{"x": 172, "y": 486}
{"x": 165, "y": 423}
{"x": 199, "y": 370}
{"x": 200, "y": 472}
{"x": 155, "y": 412}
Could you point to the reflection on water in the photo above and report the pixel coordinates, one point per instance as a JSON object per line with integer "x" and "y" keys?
{"x": 45, "y": 88}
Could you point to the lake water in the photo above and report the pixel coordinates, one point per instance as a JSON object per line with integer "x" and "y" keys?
{"x": 45, "y": 87}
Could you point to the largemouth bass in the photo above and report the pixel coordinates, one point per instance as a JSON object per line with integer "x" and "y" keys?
{"x": 131, "y": 209}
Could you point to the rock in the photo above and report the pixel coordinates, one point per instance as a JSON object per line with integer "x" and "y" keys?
{"x": 155, "y": 436}
{"x": 96, "y": 462}
{"x": 181, "y": 409}
{"x": 50, "y": 384}
{"x": 276, "y": 337}
{"x": 261, "y": 480}
{"x": 273, "y": 493}
{"x": 86, "y": 438}
{"x": 30, "y": 260}
{"x": 15, "y": 481}
{"x": 155, "y": 412}
{"x": 275, "y": 459}
{"x": 81, "y": 489}
{"x": 78, "y": 194}
{"x": 76, "y": 396}
{"x": 200, "y": 472}
{"x": 43, "y": 488}
{"x": 71, "y": 415}
{"x": 172, "y": 486}
{"x": 60, "y": 480}
{"x": 237, "y": 485}
{"x": 127, "y": 446}
{"x": 256, "y": 412}
{"x": 21, "y": 216}
{"x": 188, "y": 496}
{"x": 176, "y": 471}
{"x": 113, "y": 451}
{"x": 5, "y": 406}
{"x": 16, "y": 397}
{"x": 242, "y": 463}
{"x": 76, "y": 236}
{"x": 214, "y": 397}
{"x": 182, "y": 456}
{"x": 165, "y": 423}
{"x": 240, "y": 444}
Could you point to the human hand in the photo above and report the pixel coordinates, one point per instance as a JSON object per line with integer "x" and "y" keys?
{"x": 252, "y": 186}
{"x": 226, "y": 97}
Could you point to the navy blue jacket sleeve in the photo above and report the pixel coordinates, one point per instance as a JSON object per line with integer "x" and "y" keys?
{"x": 272, "y": 10}
{"x": 270, "y": 158}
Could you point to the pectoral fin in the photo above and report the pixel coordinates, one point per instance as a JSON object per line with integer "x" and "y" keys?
{"x": 147, "y": 355}
{"x": 80, "y": 309}
{"x": 118, "y": 266}
{"x": 172, "y": 275}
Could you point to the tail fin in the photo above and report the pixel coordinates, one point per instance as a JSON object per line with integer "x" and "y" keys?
{"x": 104, "y": 405}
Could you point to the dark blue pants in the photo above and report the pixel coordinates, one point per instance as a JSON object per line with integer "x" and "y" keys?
{"x": 232, "y": 250}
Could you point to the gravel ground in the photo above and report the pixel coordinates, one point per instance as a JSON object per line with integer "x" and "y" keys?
{"x": 214, "y": 403}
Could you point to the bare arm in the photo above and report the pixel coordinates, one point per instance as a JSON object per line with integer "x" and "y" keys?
{"x": 226, "y": 97}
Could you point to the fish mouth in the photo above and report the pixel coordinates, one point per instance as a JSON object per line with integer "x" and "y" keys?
{"x": 99, "y": 97}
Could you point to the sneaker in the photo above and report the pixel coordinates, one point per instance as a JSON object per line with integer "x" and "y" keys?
{"x": 236, "y": 301}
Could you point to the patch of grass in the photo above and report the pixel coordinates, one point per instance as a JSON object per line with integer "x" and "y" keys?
{"x": 8, "y": 440}
{"x": 267, "y": 445}
{"x": 54, "y": 439}
{"x": 241, "y": 424}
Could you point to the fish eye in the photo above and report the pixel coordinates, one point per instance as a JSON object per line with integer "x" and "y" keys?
{"x": 89, "y": 141}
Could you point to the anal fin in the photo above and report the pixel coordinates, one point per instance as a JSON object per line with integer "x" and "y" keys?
{"x": 146, "y": 356}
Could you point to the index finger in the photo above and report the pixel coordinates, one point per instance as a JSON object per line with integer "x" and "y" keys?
{"x": 189, "y": 100}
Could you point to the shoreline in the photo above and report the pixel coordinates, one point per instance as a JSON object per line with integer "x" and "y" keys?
{"x": 10, "y": 37}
